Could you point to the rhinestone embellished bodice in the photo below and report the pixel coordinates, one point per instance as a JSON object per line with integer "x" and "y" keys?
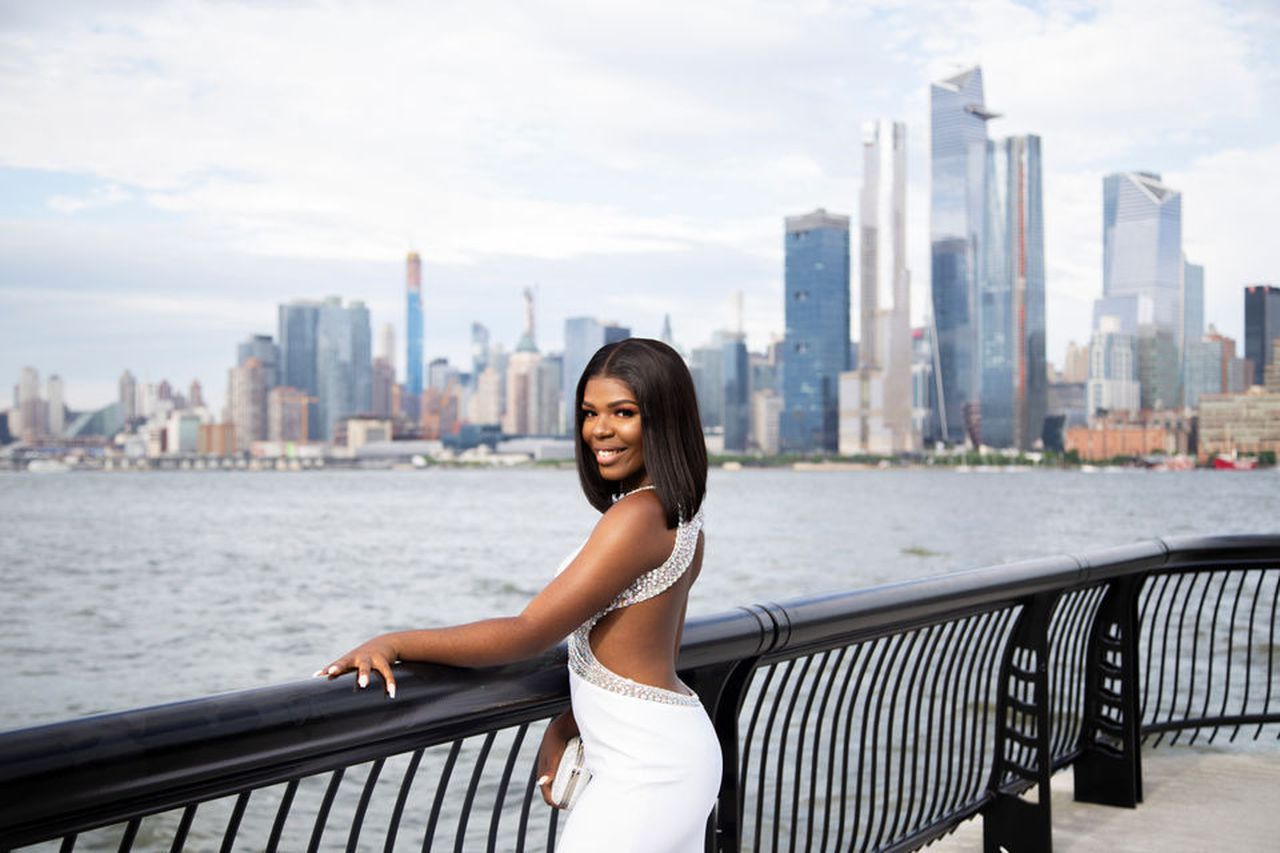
{"x": 582, "y": 661}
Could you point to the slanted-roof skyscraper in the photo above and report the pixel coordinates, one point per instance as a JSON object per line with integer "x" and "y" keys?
{"x": 816, "y": 345}
{"x": 958, "y": 218}
{"x": 1142, "y": 277}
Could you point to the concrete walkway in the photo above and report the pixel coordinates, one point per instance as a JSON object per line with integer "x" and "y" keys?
{"x": 1195, "y": 799}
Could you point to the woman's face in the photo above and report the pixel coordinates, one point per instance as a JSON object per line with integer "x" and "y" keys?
{"x": 612, "y": 430}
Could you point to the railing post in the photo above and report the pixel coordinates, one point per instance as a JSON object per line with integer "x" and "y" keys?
{"x": 722, "y": 689}
{"x": 1109, "y": 769}
{"x": 1011, "y": 823}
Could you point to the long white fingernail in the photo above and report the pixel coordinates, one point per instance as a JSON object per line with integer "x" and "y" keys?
{"x": 542, "y": 780}
{"x": 391, "y": 690}
{"x": 364, "y": 680}
{"x": 333, "y": 670}
{"x": 318, "y": 673}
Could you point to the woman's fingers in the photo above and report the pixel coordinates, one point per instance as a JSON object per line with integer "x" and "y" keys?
{"x": 383, "y": 666}
{"x": 363, "y": 664}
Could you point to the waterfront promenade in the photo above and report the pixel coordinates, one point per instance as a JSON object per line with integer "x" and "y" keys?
{"x": 1197, "y": 799}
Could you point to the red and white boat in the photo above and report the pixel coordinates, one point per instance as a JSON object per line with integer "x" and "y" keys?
{"x": 1232, "y": 462}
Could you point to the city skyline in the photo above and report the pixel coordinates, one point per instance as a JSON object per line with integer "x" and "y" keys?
{"x": 160, "y": 238}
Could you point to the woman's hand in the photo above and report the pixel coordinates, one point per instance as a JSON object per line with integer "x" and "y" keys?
{"x": 551, "y": 751}
{"x": 376, "y": 654}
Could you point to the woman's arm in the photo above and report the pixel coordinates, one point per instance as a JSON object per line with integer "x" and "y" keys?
{"x": 630, "y": 539}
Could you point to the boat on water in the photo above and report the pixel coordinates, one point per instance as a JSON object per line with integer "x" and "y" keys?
{"x": 1232, "y": 462}
{"x": 47, "y": 466}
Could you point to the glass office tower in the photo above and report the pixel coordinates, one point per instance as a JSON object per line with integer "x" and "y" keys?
{"x": 957, "y": 224}
{"x": 344, "y": 362}
{"x": 1014, "y": 386}
{"x": 296, "y": 333}
{"x": 1142, "y": 277}
{"x": 1261, "y": 326}
{"x": 816, "y": 344}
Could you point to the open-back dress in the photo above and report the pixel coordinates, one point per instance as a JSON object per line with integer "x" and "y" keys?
{"x": 653, "y": 754}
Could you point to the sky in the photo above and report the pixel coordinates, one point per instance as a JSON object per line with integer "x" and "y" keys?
{"x": 171, "y": 171}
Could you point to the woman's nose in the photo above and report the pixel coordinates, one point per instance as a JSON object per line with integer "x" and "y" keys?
{"x": 601, "y": 426}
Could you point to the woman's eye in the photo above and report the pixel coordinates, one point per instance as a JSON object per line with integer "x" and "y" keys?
{"x": 625, "y": 413}
{"x": 588, "y": 414}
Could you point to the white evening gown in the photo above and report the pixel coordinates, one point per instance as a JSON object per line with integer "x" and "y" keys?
{"x": 653, "y": 754}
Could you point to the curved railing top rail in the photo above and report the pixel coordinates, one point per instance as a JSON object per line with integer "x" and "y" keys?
{"x": 173, "y": 753}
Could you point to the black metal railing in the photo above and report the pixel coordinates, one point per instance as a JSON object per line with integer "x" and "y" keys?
{"x": 871, "y": 720}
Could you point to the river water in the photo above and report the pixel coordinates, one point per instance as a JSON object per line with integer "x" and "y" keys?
{"x": 124, "y": 590}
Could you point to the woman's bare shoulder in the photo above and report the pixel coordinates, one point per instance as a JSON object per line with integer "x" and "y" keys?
{"x": 637, "y": 526}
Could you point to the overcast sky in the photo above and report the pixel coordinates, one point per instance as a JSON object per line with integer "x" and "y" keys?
{"x": 170, "y": 171}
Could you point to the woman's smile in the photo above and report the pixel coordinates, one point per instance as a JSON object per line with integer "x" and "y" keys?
{"x": 611, "y": 428}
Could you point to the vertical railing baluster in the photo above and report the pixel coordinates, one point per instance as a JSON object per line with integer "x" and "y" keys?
{"x": 393, "y": 824}
{"x": 282, "y": 814}
{"x": 838, "y": 741}
{"x": 798, "y": 775}
{"x": 233, "y": 822}
{"x": 357, "y": 820}
{"x": 1230, "y": 648}
{"x": 779, "y": 781}
{"x": 816, "y": 757}
{"x": 465, "y": 816}
{"x": 513, "y": 754}
{"x": 184, "y": 827}
{"x": 130, "y": 835}
{"x": 437, "y": 802}
{"x": 322, "y": 816}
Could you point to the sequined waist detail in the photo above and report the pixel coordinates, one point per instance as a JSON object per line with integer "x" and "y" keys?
{"x": 583, "y": 663}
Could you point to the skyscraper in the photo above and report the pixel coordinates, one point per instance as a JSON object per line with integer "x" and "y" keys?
{"x": 479, "y": 350}
{"x": 1261, "y": 327}
{"x": 344, "y": 362}
{"x": 878, "y": 399}
{"x": 247, "y": 401}
{"x": 1141, "y": 252}
{"x": 1014, "y": 384}
{"x": 1192, "y": 319}
{"x": 1142, "y": 277}
{"x": 128, "y": 396}
{"x": 296, "y": 333}
{"x": 266, "y": 352}
{"x": 582, "y": 337}
{"x": 57, "y": 408}
{"x": 735, "y": 374}
{"x": 816, "y": 344}
{"x": 413, "y": 325}
{"x": 958, "y": 219}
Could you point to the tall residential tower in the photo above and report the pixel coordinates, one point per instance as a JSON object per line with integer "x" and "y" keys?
{"x": 413, "y": 325}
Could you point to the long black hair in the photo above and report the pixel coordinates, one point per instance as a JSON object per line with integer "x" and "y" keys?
{"x": 675, "y": 453}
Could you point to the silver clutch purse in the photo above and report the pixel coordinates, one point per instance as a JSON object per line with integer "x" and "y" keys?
{"x": 571, "y": 776}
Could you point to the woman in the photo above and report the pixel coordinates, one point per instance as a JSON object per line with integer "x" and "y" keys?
{"x": 652, "y": 752}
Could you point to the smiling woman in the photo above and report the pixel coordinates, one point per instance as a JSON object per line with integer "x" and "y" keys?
{"x": 640, "y": 736}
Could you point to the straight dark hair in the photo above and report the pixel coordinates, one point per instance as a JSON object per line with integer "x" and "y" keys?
{"x": 675, "y": 453}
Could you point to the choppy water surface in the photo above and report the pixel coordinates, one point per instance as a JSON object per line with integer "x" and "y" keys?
{"x": 122, "y": 590}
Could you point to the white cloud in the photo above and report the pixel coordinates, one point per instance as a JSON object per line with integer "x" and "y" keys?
{"x": 99, "y": 197}
{"x": 557, "y": 131}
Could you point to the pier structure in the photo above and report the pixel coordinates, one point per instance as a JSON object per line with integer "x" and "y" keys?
{"x": 879, "y": 719}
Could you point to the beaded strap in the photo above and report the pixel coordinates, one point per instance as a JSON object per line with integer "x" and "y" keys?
{"x": 582, "y": 661}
